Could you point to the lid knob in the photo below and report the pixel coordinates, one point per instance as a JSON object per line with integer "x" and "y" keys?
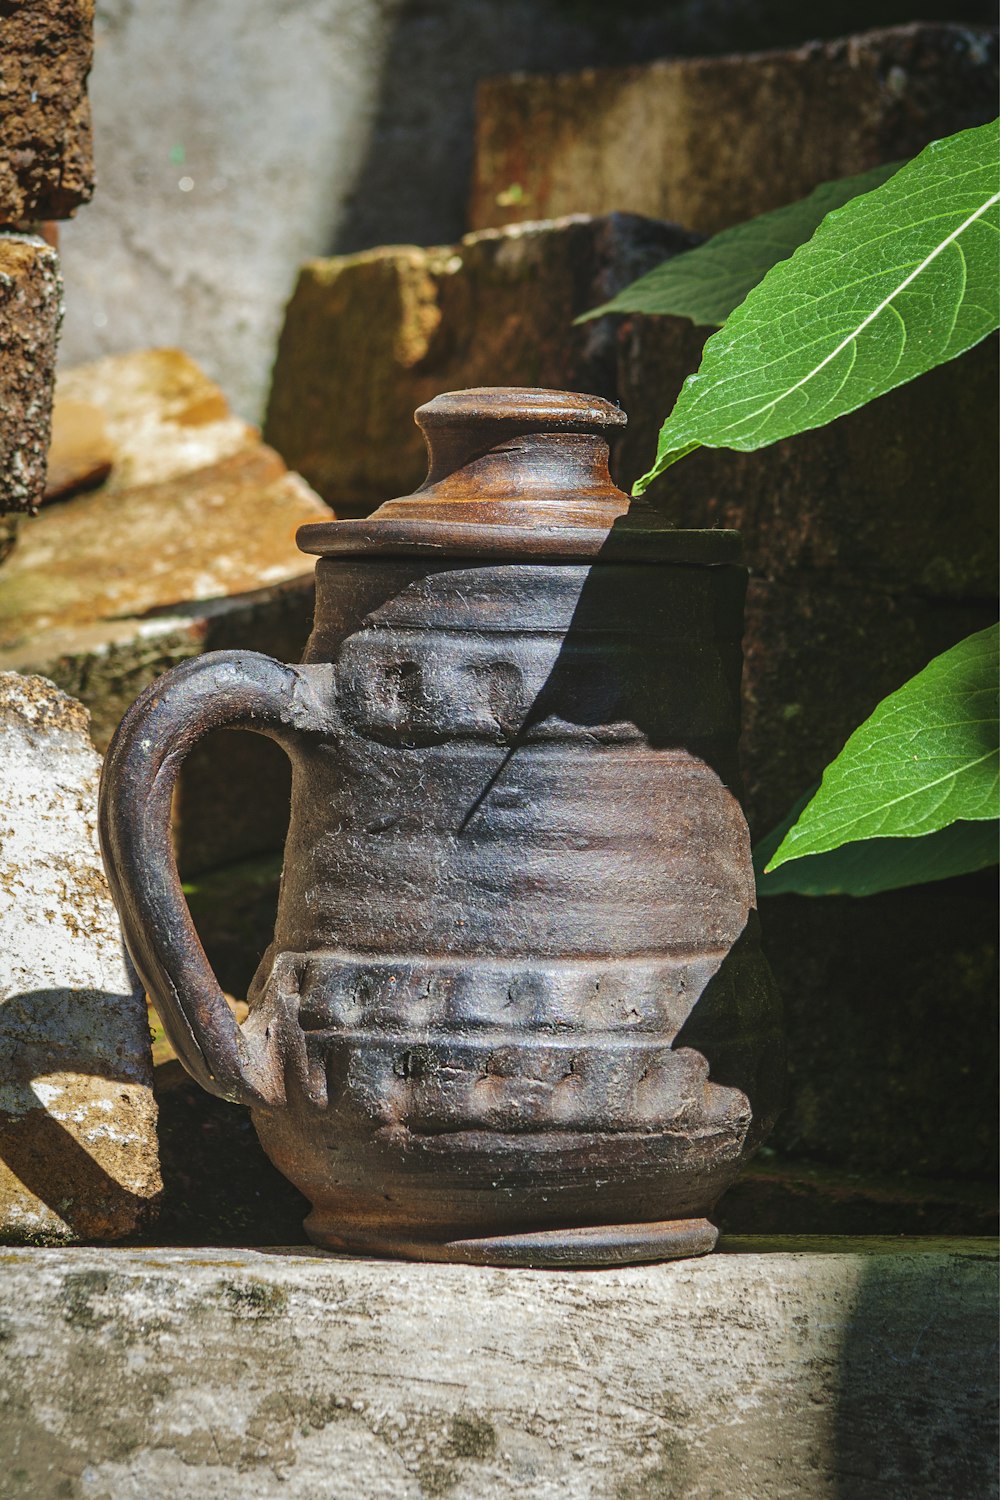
{"x": 516, "y": 456}
{"x": 518, "y": 475}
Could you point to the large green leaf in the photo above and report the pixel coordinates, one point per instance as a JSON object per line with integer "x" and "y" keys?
{"x": 929, "y": 756}
{"x": 892, "y": 284}
{"x": 874, "y": 865}
{"x": 706, "y": 283}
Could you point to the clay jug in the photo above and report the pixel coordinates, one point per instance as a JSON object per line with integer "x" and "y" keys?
{"x": 515, "y": 1009}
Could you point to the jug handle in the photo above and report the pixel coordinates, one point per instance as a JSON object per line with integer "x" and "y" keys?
{"x": 220, "y": 690}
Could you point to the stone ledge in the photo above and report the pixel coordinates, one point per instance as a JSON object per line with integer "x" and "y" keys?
{"x": 777, "y": 1368}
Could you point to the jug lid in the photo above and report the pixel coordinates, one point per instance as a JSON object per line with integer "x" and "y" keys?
{"x": 519, "y": 474}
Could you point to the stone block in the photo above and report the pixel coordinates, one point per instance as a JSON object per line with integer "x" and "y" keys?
{"x": 78, "y": 1153}
{"x": 80, "y": 452}
{"x": 783, "y": 1370}
{"x": 708, "y": 142}
{"x": 30, "y": 313}
{"x": 46, "y": 165}
{"x": 159, "y": 413}
{"x": 869, "y": 499}
{"x": 133, "y": 554}
{"x": 369, "y": 337}
{"x": 865, "y": 982}
{"x": 188, "y": 546}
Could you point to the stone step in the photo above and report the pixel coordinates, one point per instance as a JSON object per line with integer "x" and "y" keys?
{"x": 827, "y": 1370}
{"x": 711, "y": 141}
{"x": 187, "y": 546}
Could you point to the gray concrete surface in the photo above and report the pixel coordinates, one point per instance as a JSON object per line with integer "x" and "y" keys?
{"x": 798, "y": 1368}
{"x": 225, "y": 136}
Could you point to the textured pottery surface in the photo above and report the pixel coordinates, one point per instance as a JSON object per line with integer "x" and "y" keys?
{"x": 515, "y": 1008}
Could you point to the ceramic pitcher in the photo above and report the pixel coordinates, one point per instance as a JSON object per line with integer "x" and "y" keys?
{"x": 514, "y": 1009}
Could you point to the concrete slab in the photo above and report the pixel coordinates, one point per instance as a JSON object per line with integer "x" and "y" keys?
{"x": 782, "y": 1368}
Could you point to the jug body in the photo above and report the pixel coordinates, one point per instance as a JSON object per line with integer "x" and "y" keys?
{"x": 515, "y": 1009}
{"x": 516, "y": 870}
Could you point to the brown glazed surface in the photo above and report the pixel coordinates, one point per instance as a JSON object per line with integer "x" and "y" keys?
{"x": 515, "y": 1008}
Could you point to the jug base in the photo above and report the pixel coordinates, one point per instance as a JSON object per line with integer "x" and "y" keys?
{"x": 582, "y": 1248}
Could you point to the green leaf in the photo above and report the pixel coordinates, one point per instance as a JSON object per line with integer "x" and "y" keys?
{"x": 928, "y": 756}
{"x": 874, "y": 865}
{"x": 706, "y": 283}
{"x": 892, "y": 284}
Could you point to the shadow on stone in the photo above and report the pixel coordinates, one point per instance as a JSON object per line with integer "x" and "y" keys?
{"x": 916, "y": 1396}
{"x": 46, "y": 1035}
{"x": 218, "y": 1186}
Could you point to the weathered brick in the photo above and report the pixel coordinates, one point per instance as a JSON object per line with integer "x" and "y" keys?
{"x": 30, "y": 312}
{"x": 46, "y": 162}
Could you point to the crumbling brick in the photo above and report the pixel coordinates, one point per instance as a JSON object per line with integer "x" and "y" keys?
{"x": 46, "y": 161}
{"x": 30, "y": 313}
